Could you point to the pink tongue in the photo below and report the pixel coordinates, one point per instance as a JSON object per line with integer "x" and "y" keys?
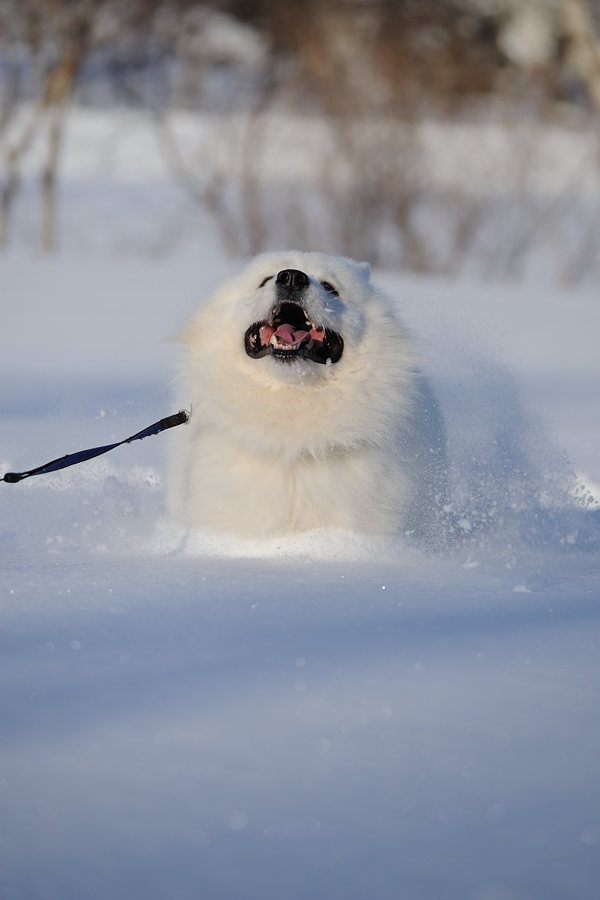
{"x": 287, "y": 334}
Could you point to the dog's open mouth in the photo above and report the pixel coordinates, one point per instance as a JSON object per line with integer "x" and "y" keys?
{"x": 288, "y": 335}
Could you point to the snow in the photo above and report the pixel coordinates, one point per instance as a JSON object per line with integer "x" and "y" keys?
{"x": 127, "y": 146}
{"x": 323, "y": 716}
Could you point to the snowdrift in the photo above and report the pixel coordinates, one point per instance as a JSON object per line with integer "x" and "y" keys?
{"x": 324, "y": 715}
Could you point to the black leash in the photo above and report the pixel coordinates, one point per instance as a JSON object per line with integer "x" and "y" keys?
{"x": 71, "y": 459}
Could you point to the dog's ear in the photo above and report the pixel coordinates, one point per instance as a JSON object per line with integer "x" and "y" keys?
{"x": 365, "y": 267}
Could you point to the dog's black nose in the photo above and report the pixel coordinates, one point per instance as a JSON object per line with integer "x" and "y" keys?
{"x": 292, "y": 279}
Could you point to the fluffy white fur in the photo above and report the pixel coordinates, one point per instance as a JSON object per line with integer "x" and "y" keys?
{"x": 277, "y": 446}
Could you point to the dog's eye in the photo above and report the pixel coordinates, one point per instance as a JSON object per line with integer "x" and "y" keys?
{"x": 330, "y": 288}
{"x": 264, "y": 281}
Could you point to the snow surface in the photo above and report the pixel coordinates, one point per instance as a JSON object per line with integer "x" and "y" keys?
{"x": 124, "y": 144}
{"x": 325, "y": 716}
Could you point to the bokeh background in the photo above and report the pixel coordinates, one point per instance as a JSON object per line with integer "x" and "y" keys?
{"x": 438, "y": 136}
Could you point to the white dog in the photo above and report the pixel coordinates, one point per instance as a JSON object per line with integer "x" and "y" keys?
{"x": 308, "y": 410}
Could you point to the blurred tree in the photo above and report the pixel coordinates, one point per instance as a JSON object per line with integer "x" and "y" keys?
{"x": 45, "y": 46}
{"x": 56, "y": 38}
{"x": 370, "y": 70}
{"x": 582, "y": 49}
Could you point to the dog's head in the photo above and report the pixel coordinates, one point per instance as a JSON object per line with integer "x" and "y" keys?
{"x": 287, "y": 322}
{"x": 302, "y": 308}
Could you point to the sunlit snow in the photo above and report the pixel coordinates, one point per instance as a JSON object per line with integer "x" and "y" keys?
{"x": 327, "y": 715}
